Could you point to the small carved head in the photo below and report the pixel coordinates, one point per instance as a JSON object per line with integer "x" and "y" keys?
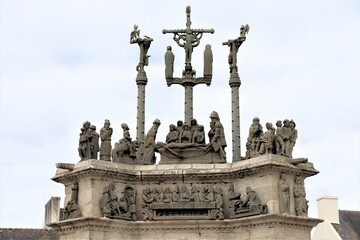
{"x": 256, "y": 120}
{"x": 86, "y": 124}
{"x": 157, "y": 122}
{"x": 180, "y": 123}
{"x": 269, "y": 126}
{"x": 286, "y": 123}
{"x": 278, "y": 123}
{"x": 172, "y": 127}
{"x": 214, "y": 115}
{"x": 193, "y": 122}
{"x": 124, "y": 126}
{"x": 107, "y": 123}
{"x": 292, "y": 124}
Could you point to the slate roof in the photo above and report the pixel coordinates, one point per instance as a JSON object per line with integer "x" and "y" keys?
{"x": 349, "y": 227}
{"x": 28, "y": 234}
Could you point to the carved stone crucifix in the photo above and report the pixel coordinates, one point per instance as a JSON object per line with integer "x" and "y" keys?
{"x": 188, "y": 39}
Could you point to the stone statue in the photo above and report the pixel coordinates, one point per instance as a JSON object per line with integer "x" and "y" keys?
{"x": 286, "y": 134}
{"x": 284, "y": 198}
{"x": 176, "y": 194}
{"x": 144, "y": 44}
{"x": 251, "y": 201}
{"x": 186, "y": 135}
{"x": 179, "y": 128}
{"x": 130, "y": 198}
{"x": 84, "y": 141}
{"x": 71, "y": 209}
{"x": 167, "y": 197}
{"x": 211, "y": 132}
{"x": 293, "y": 137}
{"x": 184, "y": 194}
{"x": 208, "y": 61}
{"x": 244, "y": 29}
{"x": 169, "y": 63}
{"x": 148, "y": 199}
{"x": 157, "y": 194}
{"x": 234, "y": 45}
{"x": 194, "y": 194}
{"x": 199, "y": 135}
{"x": 135, "y": 34}
{"x": 105, "y": 136}
{"x": 279, "y": 142}
{"x": 218, "y": 141}
{"x": 234, "y": 200}
{"x": 193, "y": 127}
{"x": 94, "y": 144}
{"x": 208, "y": 194}
{"x": 83, "y": 145}
{"x": 218, "y": 213}
{"x": 109, "y": 203}
{"x": 255, "y": 131}
{"x": 301, "y": 206}
{"x": 149, "y": 157}
{"x": 127, "y": 140}
{"x": 267, "y": 140}
{"x": 172, "y": 136}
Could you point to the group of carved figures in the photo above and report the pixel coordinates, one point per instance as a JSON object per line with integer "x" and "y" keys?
{"x": 280, "y": 141}
{"x": 113, "y": 207}
{"x": 183, "y": 133}
{"x": 180, "y": 196}
{"x": 301, "y": 204}
{"x": 170, "y": 57}
{"x": 190, "y": 200}
{"x": 89, "y": 143}
{"x": 126, "y": 148}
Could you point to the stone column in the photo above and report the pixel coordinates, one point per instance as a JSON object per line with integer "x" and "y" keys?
{"x": 188, "y": 103}
{"x": 235, "y": 116}
{"x": 141, "y": 82}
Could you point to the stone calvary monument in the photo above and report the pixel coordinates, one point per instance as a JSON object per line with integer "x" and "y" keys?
{"x": 119, "y": 192}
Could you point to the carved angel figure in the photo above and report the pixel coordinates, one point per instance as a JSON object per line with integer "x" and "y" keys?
{"x": 244, "y": 29}
{"x": 135, "y": 34}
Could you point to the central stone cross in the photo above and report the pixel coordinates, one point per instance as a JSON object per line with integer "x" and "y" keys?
{"x": 188, "y": 39}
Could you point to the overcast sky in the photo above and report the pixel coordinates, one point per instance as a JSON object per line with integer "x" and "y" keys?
{"x": 65, "y": 62}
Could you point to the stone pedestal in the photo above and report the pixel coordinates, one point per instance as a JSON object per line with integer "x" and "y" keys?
{"x": 186, "y": 218}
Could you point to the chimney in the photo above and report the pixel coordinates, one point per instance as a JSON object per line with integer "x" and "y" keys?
{"x": 328, "y": 208}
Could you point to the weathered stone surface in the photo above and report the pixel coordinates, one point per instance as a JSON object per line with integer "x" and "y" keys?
{"x": 262, "y": 174}
{"x": 270, "y": 226}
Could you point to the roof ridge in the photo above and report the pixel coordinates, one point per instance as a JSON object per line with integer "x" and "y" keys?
{"x": 353, "y": 211}
{"x": 37, "y": 229}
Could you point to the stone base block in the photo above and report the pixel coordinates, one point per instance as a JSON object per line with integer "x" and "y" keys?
{"x": 254, "y": 228}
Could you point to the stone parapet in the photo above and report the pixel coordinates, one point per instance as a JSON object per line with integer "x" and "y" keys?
{"x": 269, "y": 226}
{"x": 206, "y": 201}
{"x": 241, "y": 169}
